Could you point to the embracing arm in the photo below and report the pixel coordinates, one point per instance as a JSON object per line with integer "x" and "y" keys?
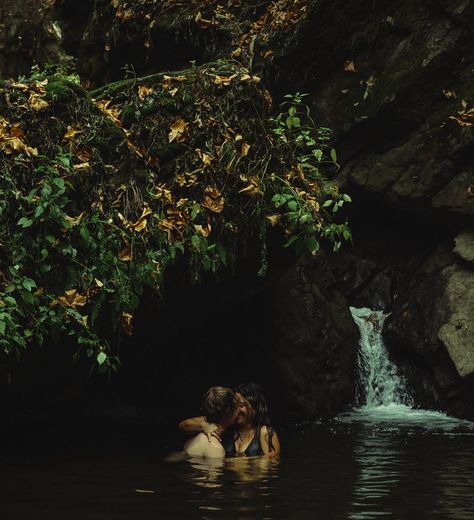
{"x": 199, "y": 424}
{"x": 270, "y": 447}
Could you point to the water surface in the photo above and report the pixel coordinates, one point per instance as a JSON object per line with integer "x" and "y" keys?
{"x": 388, "y": 462}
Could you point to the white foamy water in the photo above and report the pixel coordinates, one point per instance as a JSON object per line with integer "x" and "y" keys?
{"x": 379, "y": 381}
{"x": 400, "y": 415}
{"x": 384, "y": 397}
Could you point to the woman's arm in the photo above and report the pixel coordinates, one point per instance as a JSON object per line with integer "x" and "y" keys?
{"x": 269, "y": 448}
{"x": 199, "y": 424}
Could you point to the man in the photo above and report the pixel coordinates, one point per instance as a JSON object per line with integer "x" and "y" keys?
{"x": 220, "y": 406}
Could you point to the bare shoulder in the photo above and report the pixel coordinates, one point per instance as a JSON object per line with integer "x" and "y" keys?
{"x": 200, "y": 446}
{"x": 264, "y": 432}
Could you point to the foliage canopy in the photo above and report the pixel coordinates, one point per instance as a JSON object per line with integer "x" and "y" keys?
{"x": 102, "y": 191}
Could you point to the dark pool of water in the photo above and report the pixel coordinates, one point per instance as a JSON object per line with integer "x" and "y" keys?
{"x": 390, "y": 464}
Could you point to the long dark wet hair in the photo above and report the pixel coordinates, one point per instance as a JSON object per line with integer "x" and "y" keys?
{"x": 254, "y": 395}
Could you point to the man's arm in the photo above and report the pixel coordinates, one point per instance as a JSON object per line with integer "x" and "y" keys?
{"x": 199, "y": 424}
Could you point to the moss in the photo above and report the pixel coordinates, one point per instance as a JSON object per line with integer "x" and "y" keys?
{"x": 128, "y": 116}
{"x": 110, "y": 137}
{"x": 63, "y": 90}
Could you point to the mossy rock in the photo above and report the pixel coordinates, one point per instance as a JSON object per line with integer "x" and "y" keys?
{"x": 110, "y": 137}
{"x": 128, "y": 116}
{"x": 63, "y": 91}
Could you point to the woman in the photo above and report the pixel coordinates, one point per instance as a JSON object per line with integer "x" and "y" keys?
{"x": 251, "y": 434}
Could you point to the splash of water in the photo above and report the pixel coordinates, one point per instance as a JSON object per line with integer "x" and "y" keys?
{"x": 379, "y": 381}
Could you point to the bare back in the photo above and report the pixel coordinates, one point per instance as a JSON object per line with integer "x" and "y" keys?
{"x": 200, "y": 446}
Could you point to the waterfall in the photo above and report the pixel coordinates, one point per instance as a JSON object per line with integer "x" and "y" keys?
{"x": 378, "y": 378}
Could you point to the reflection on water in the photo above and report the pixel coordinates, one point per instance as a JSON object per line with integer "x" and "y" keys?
{"x": 252, "y": 480}
{"x": 399, "y": 468}
{"x": 390, "y": 462}
{"x": 379, "y": 472}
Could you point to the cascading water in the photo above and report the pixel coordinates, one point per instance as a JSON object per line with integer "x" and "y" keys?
{"x": 379, "y": 382}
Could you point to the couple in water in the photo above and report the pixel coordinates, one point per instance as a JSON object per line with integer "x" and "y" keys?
{"x": 235, "y": 423}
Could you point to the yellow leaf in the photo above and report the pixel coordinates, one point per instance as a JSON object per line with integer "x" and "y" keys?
{"x": 177, "y": 130}
{"x": 81, "y": 167}
{"x": 74, "y": 221}
{"x": 273, "y": 219}
{"x": 20, "y": 86}
{"x": 71, "y": 299}
{"x": 126, "y": 320}
{"x": 268, "y": 97}
{"x": 213, "y": 200}
{"x": 205, "y": 157}
{"x": 253, "y": 188}
{"x": 71, "y": 133}
{"x": 36, "y": 103}
{"x": 202, "y": 231}
{"x": 245, "y": 149}
{"x": 202, "y": 22}
{"x": 168, "y": 79}
{"x": 349, "y": 66}
{"x": 144, "y": 91}
{"x": 141, "y": 223}
{"x": 112, "y": 112}
{"x": 224, "y": 80}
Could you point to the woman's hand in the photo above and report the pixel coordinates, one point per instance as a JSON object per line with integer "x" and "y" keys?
{"x": 212, "y": 430}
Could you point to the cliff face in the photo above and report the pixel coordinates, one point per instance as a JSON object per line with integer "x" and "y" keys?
{"x": 394, "y": 81}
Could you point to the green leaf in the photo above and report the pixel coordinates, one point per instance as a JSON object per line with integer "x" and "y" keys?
{"x": 327, "y": 203}
{"x": 101, "y": 357}
{"x": 292, "y": 205}
{"x": 291, "y": 240}
{"x": 85, "y": 235}
{"x": 28, "y": 298}
{"x": 318, "y": 154}
{"x": 2, "y": 327}
{"x": 346, "y": 234}
{"x": 64, "y": 160}
{"x": 312, "y": 244}
{"x": 28, "y": 284}
{"x": 333, "y": 155}
{"x": 59, "y": 182}
{"x": 39, "y": 211}
{"x": 10, "y": 299}
{"x": 195, "y": 241}
{"x": 346, "y": 197}
{"x": 25, "y": 222}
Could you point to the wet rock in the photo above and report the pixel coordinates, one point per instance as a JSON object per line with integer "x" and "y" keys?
{"x": 464, "y": 246}
{"x": 457, "y": 334}
{"x": 315, "y": 341}
{"x": 29, "y": 35}
{"x": 431, "y": 326}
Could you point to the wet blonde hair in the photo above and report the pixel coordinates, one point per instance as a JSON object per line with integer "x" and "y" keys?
{"x": 218, "y": 402}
